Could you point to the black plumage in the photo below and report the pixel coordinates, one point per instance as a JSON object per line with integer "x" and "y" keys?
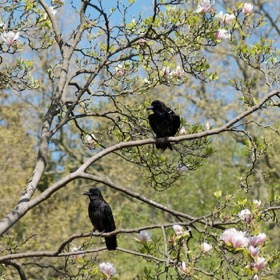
{"x": 164, "y": 122}
{"x": 101, "y": 216}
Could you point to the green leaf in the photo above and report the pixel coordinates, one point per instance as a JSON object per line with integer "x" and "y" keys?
{"x": 218, "y": 194}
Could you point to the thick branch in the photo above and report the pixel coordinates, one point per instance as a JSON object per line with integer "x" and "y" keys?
{"x": 24, "y": 205}
{"x": 56, "y": 30}
{"x": 58, "y": 252}
{"x": 18, "y": 267}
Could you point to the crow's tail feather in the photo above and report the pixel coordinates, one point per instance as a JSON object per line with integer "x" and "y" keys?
{"x": 111, "y": 242}
{"x": 164, "y": 146}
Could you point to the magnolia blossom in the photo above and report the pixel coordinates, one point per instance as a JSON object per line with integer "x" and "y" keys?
{"x": 258, "y": 240}
{"x": 205, "y": 247}
{"x": 261, "y": 238}
{"x": 256, "y": 277}
{"x": 254, "y": 241}
{"x": 259, "y": 264}
{"x": 119, "y": 70}
{"x": 207, "y": 126}
{"x": 10, "y": 37}
{"x": 146, "y": 81}
{"x": 178, "y": 229}
{"x": 225, "y": 18}
{"x": 257, "y": 203}
{"x": 90, "y": 140}
{"x": 166, "y": 71}
{"x": 222, "y": 34}
{"x": 253, "y": 251}
{"x": 182, "y": 131}
{"x": 144, "y": 236}
{"x": 205, "y": 6}
{"x": 177, "y": 73}
{"x": 183, "y": 267}
{"x": 107, "y": 269}
{"x": 181, "y": 168}
{"x": 245, "y": 215}
{"x": 239, "y": 240}
{"x": 53, "y": 11}
{"x": 234, "y": 238}
{"x": 142, "y": 42}
{"x": 247, "y": 8}
{"x": 76, "y": 252}
{"x": 227, "y": 235}
{"x": 75, "y": 249}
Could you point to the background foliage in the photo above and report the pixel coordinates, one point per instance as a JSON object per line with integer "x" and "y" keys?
{"x": 75, "y": 86}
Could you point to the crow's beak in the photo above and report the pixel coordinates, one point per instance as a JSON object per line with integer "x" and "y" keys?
{"x": 150, "y": 108}
{"x": 86, "y": 193}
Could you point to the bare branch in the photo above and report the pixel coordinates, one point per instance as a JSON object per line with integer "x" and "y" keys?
{"x": 18, "y": 267}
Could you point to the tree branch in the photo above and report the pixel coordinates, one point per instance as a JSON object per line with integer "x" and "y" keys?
{"x": 58, "y": 252}
{"x": 24, "y": 205}
{"x": 18, "y": 267}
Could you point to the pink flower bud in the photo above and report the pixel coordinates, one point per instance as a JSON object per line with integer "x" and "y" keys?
{"x": 261, "y": 239}
{"x": 10, "y": 37}
{"x": 245, "y": 215}
{"x": 182, "y": 131}
{"x": 257, "y": 203}
{"x": 205, "y": 6}
{"x": 178, "y": 229}
{"x": 247, "y": 8}
{"x": 90, "y": 140}
{"x": 254, "y": 251}
{"x": 207, "y": 126}
{"x": 53, "y": 11}
{"x": 205, "y": 247}
{"x": 142, "y": 42}
{"x": 119, "y": 70}
{"x": 177, "y": 73}
{"x": 144, "y": 236}
{"x": 222, "y": 34}
{"x": 184, "y": 267}
{"x": 107, "y": 269}
{"x": 259, "y": 264}
{"x": 254, "y": 241}
{"x": 228, "y": 18}
{"x": 166, "y": 71}
{"x": 225, "y": 18}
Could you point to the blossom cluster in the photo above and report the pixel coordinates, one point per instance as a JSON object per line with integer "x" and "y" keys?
{"x": 175, "y": 73}
{"x": 245, "y": 215}
{"x": 239, "y": 239}
{"x": 207, "y": 6}
{"x": 108, "y": 269}
{"x": 10, "y": 37}
{"x": 120, "y": 70}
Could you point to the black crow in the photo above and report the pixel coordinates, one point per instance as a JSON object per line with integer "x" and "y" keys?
{"x": 164, "y": 122}
{"x": 101, "y": 216}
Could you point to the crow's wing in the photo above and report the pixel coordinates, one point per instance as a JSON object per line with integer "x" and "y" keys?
{"x": 161, "y": 124}
{"x": 101, "y": 216}
{"x": 155, "y": 124}
{"x": 175, "y": 124}
{"x": 111, "y": 242}
{"x": 109, "y": 223}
